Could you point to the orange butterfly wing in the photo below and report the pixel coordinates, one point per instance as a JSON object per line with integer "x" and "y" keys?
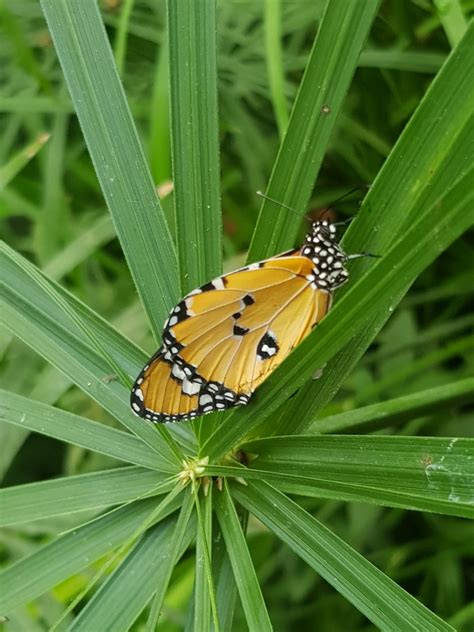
{"x": 223, "y": 339}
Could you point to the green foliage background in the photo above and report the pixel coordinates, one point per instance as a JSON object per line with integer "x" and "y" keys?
{"x": 353, "y": 508}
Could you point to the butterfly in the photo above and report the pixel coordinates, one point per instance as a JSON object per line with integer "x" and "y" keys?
{"x": 223, "y": 339}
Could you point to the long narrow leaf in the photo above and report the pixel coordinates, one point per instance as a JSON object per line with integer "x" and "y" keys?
{"x": 417, "y": 498}
{"x": 45, "y": 326}
{"x": 226, "y": 589}
{"x": 434, "y": 471}
{"x": 181, "y": 535}
{"x": 127, "y": 591}
{"x": 372, "y": 592}
{"x": 129, "y": 588}
{"x": 36, "y": 501}
{"x": 400, "y": 409}
{"x": 21, "y": 159}
{"x": 274, "y": 61}
{"x": 53, "y": 422}
{"x": 341, "y": 36}
{"x": 204, "y": 590}
{"x": 242, "y": 565}
{"x": 194, "y": 126}
{"x": 55, "y": 562}
{"x": 87, "y": 61}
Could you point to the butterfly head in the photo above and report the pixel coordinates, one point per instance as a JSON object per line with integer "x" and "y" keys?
{"x": 328, "y": 257}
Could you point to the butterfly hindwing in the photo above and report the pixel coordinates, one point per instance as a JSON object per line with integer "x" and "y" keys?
{"x": 160, "y": 396}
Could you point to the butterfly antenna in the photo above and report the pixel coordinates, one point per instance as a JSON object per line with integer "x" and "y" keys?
{"x": 342, "y": 197}
{"x": 288, "y": 208}
{"x": 293, "y": 210}
{"x": 345, "y": 195}
{"x": 345, "y": 221}
{"x": 358, "y": 255}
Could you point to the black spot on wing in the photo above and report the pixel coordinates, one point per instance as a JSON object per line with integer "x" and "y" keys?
{"x": 268, "y": 346}
{"x": 208, "y": 286}
{"x": 218, "y": 283}
{"x": 248, "y": 299}
{"x": 170, "y": 343}
{"x": 240, "y": 331}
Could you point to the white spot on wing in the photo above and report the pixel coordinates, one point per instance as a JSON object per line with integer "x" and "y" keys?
{"x": 190, "y": 388}
{"x": 188, "y": 303}
{"x": 218, "y": 283}
{"x": 177, "y": 372}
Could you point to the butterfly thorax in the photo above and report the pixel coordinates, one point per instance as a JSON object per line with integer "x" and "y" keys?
{"x": 328, "y": 257}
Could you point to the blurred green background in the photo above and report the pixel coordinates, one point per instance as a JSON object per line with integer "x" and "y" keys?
{"x": 53, "y": 212}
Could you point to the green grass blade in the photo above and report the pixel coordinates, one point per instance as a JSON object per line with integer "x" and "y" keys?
{"x": 66, "y": 555}
{"x": 31, "y": 312}
{"x": 11, "y": 26}
{"x": 68, "y": 342}
{"x": 226, "y": 589}
{"x": 155, "y": 516}
{"x": 433, "y": 152}
{"x": 464, "y": 618}
{"x": 49, "y": 233}
{"x": 24, "y": 279}
{"x": 452, "y": 18}
{"x": 127, "y": 591}
{"x": 37, "y": 501}
{"x": 194, "y": 127}
{"x": 335, "y": 53}
{"x": 436, "y": 471}
{"x": 179, "y": 540}
{"x": 85, "y": 369}
{"x": 20, "y": 160}
{"x": 372, "y": 592}
{"x": 397, "y": 59}
{"x": 53, "y": 422}
{"x": 418, "y": 498}
{"x": 404, "y": 374}
{"x": 61, "y": 304}
{"x": 377, "y": 292}
{"x": 100, "y": 232}
{"x": 129, "y": 588}
{"x": 120, "y": 43}
{"x": 247, "y": 583}
{"x": 160, "y": 141}
{"x": 274, "y": 61}
{"x": 400, "y": 409}
{"x": 204, "y": 589}
{"x": 83, "y": 49}
{"x": 435, "y": 334}
{"x": 12, "y": 440}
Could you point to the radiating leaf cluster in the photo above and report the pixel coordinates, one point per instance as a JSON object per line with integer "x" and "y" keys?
{"x": 124, "y": 544}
